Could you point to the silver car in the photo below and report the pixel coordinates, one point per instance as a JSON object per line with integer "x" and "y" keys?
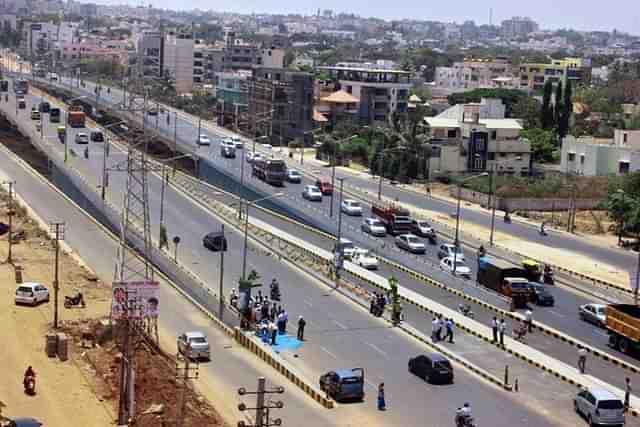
{"x": 194, "y": 345}
{"x": 593, "y": 313}
{"x": 600, "y": 407}
{"x": 373, "y": 226}
{"x": 311, "y": 192}
{"x": 410, "y": 243}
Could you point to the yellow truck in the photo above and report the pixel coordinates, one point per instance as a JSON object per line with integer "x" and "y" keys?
{"x": 622, "y": 321}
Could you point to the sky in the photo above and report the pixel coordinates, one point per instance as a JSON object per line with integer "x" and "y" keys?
{"x": 623, "y": 15}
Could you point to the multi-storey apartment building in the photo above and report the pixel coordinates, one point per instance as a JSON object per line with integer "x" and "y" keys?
{"x": 474, "y": 73}
{"x": 380, "y": 93}
{"x": 534, "y": 76}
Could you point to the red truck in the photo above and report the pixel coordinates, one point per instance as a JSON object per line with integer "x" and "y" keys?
{"x": 325, "y": 187}
{"x": 76, "y": 119}
{"x": 396, "y": 219}
{"x": 272, "y": 171}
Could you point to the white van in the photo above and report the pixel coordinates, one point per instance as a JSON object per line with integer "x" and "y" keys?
{"x": 600, "y": 407}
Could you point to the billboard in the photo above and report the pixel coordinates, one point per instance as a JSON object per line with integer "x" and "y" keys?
{"x": 136, "y": 300}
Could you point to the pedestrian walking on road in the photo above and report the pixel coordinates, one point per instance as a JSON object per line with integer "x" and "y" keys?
{"x": 285, "y": 319}
{"x": 449, "y": 326}
{"x": 627, "y": 393}
{"x": 382, "y": 404}
{"x": 280, "y": 324}
{"x": 440, "y": 327}
{"x": 301, "y": 325}
{"x": 582, "y": 359}
{"x": 273, "y": 330}
{"x": 502, "y": 328}
{"x": 528, "y": 315}
{"x": 434, "y": 329}
{"x": 494, "y": 328}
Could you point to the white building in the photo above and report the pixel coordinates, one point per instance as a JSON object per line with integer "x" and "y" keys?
{"x": 474, "y": 74}
{"x": 476, "y": 137}
{"x": 178, "y": 60}
{"x": 601, "y": 156}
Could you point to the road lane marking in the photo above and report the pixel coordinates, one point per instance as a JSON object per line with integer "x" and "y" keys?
{"x": 308, "y": 303}
{"x": 376, "y": 348}
{"x": 340, "y": 324}
{"x": 329, "y": 353}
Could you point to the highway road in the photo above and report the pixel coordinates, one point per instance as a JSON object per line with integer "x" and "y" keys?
{"x": 615, "y": 257}
{"x": 340, "y": 333}
{"x": 562, "y": 317}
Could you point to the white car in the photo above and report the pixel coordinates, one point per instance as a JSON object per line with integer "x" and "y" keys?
{"x": 294, "y": 176}
{"x": 461, "y": 268}
{"x": 251, "y": 156}
{"x": 31, "y": 293}
{"x": 374, "y": 226}
{"x": 194, "y": 345}
{"x": 351, "y": 207}
{"x": 410, "y": 243}
{"x": 593, "y": 313}
{"x": 311, "y": 192}
{"x": 448, "y": 250}
{"x": 82, "y": 138}
{"x": 228, "y": 141}
{"x": 203, "y": 140}
{"x": 237, "y": 142}
{"x": 364, "y": 259}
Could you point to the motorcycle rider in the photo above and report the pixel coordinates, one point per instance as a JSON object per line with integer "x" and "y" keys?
{"x": 481, "y": 251}
{"x": 542, "y": 230}
{"x": 463, "y": 416}
{"x": 233, "y": 298}
{"x": 28, "y": 374}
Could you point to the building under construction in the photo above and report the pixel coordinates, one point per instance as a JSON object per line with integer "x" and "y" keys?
{"x": 281, "y": 105}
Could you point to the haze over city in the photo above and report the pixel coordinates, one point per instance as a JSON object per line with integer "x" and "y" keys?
{"x": 622, "y": 15}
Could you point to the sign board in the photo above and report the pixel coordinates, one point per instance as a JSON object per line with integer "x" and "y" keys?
{"x": 136, "y": 300}
{"x": 36, "y": 27}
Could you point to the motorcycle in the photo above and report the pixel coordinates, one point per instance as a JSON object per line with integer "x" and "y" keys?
{"x": 432, "y": 238}
{"x": 462, "y": 421}
{"x": 466, "y": 311}
{"x": 30, "y": 385}
{"x": 77, "y": 299}
{"x": 548, "y": 278}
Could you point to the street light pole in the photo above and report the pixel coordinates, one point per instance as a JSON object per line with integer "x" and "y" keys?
{"x": 333, "y": 177}
{"x": 456, "y": 242}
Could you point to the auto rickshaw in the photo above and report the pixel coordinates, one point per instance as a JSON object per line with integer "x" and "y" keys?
{"x": 61, "y": 132}
{"x": 534, "y": 272}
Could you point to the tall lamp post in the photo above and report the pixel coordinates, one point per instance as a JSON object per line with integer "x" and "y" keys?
{"x": 339, "y": 256}
{"x": 333, "y": 168}
{"x": 622, "y": 193}
{"x": 492, "y": 194}
{"x": 105, "y": 154}
{"x": 456, "y": 242}
{"x": 248, "y": 204}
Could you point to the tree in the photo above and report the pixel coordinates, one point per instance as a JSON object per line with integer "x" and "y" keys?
{"x": 546, "y": 117}
{"x": 557, "y": 107}
{"x": 508, "y": 96}
{"x": 565, "y": 114}
{"x": 543, "y": 143}
{"x": 529, "y": 111}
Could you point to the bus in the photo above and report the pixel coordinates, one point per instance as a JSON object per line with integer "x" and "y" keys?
{"x": 21, "y": 86}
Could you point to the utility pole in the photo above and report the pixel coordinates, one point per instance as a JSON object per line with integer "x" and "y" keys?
{"x": 10, "y": 214}
{"x": 185, "y": 377}
{"x": 57, "y": 229}
{"x": 262, "y": 410}
{"x": 223, "y": 248}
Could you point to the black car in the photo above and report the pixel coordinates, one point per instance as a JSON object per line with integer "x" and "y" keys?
{"x": 432, "y": 367}
{"x": 97, "y": 136}
{"x": 45, "y": 107}
{"x": 215, "y": 241}
{"x": 541, "y": 296}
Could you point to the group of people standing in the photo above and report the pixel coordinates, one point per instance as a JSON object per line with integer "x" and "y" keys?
{"x": 441, "y": 329}
{"x": 377, "y": 304}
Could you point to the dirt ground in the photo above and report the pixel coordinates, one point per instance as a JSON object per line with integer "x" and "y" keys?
{"x": 83, "y": 388}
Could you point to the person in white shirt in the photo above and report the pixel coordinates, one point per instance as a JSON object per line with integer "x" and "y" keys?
{"x": 528, "y": 316}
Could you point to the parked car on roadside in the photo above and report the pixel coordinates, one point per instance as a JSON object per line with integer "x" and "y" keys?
{"x": 344, "y": 384}
{"x": 31, "y": 293}
{"x": 600, "y": 407}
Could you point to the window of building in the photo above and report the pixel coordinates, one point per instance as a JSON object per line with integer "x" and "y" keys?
{"x": 349, "y": 89}
{"x": 452, "y": 133}
{"x": 582, "y": 159}
{"x": 571, "y": 157}
{"x": 494, "y": 135}
{"x": 623, "y": 167}
{"x": 624, "y": 137}
{"x": 491, "y": 155}
{"x": 503, "y": 154}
